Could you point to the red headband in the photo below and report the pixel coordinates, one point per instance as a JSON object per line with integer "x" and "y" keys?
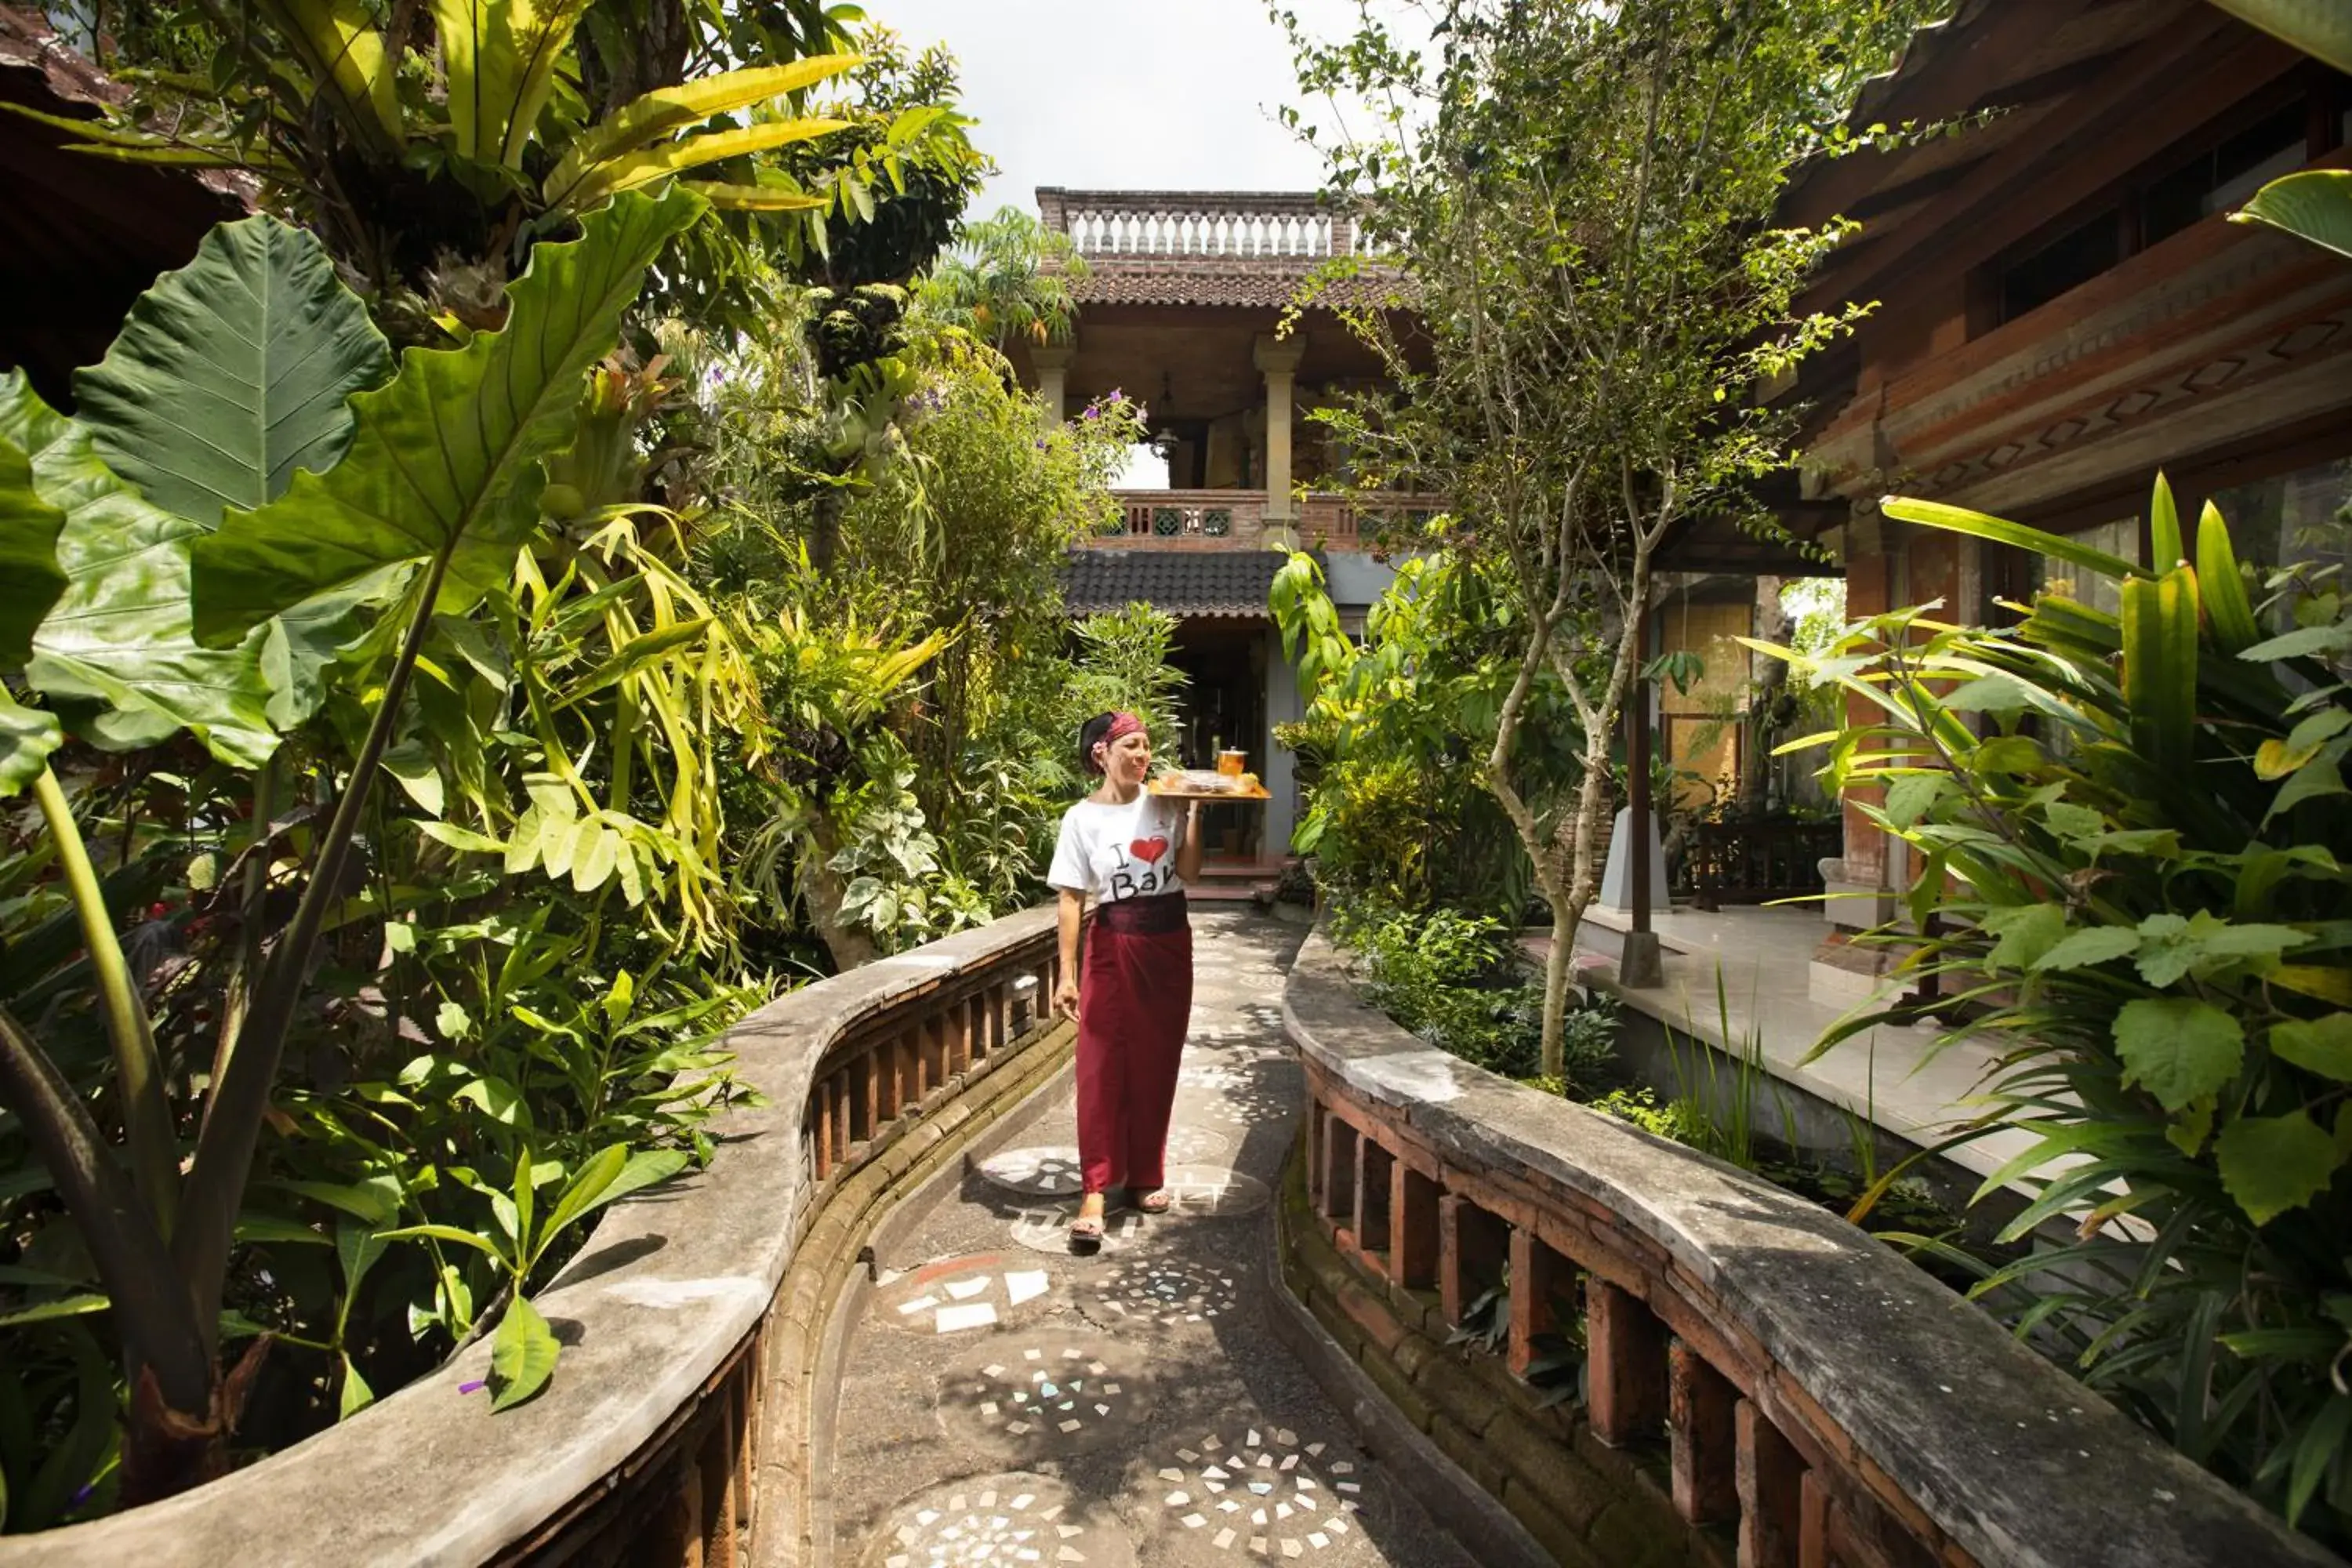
{"x": 1122, "y": 725}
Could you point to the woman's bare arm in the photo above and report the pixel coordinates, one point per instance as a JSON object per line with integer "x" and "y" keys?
{"x": 1066, "y": 990}
{"x": 1187, "y": 857}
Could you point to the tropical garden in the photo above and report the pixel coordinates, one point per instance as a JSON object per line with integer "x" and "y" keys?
{"x": 2129, "y": 863}
{"x": 504, "y": 609}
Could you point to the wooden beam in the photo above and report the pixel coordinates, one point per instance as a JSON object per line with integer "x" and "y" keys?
{"x": 2182, "y": 75}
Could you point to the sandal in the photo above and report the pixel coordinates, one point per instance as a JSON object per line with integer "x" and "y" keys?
{"x": 1156, "y": 1201}
{"x": 1087, "y": 1234}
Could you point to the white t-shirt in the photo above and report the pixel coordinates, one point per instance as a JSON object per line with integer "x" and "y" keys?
{"x": 1116, "y": 852}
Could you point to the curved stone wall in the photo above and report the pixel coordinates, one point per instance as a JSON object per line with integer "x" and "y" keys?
{"x": 1810, "y": 1393}
{"x": 676, "y": 1423}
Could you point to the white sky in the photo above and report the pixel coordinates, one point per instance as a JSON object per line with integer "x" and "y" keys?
{"x": 1126, "y": 95}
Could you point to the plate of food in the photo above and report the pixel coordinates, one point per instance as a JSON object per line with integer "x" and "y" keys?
{"x": 1206, "y": 784}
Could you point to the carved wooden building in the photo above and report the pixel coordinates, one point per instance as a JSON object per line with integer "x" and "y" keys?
{"x": 2064, "y": 307}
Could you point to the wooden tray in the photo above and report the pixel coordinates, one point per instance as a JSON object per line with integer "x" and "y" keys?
{"x": 1172, "y": 786}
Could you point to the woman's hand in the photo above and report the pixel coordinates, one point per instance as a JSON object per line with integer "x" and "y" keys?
{"x": 1065, "y": 998}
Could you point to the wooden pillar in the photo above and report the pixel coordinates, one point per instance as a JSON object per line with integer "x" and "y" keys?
{"x": 1277, "y": 360}
{"x": 1638, "y": 963}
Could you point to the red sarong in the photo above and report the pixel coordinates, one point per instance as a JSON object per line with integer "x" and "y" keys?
{"x": 1135, "y": 1007}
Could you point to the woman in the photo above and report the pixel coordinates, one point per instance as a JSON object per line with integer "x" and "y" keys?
{"x": 1132, "y": 852}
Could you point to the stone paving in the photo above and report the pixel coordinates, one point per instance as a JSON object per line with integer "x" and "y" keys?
{"x": 1001, "y": 1402}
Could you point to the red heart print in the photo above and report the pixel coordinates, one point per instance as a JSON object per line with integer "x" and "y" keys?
{"x": 1150, "y": 850}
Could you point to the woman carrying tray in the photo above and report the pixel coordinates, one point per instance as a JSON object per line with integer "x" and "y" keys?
{"x": 1131, "y": 851}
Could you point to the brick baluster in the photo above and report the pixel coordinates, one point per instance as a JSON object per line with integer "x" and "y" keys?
{"x": 1701, "y": 1427}
{"x": 1537, "y": 1274}
{"x": 1413, "y": 1221}
{"x": 1771, "y": 1479}
{"x": 1627, "y": 1349}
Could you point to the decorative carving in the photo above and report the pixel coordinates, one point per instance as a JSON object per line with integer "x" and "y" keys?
{"x": 1217, "y": 522}
{"x": 1167, "y": 520}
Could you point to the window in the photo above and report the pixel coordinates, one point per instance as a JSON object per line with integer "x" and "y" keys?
{"x": 2064, "y": 263}
{"x": 2304, "y": 517}
{"x": 2226, "y": 175}
{"x": 2121, "y": 537}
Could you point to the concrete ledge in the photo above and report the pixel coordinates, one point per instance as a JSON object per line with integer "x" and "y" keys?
{"x": 663, "y": 1296}
{"x": 1381, "y": 1411}
{"x": 1913, "y": 1405}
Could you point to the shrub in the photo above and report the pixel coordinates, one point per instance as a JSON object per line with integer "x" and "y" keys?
{"x": 2130, "y": 835}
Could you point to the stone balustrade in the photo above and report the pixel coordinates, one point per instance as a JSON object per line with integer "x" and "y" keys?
{"x": 1237, "y": 519}
{"x": 676, "y": 1431}
{"x": 1815, "y": 1400}
{"x": 1241, "y": 224}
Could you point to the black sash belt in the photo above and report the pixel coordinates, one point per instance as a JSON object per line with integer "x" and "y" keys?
{"x": 1143, "y": 917}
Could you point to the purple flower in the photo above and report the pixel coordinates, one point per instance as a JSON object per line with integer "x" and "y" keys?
{"x": 1116, "y": 396}
{"x": 81, "y": 1494}
{"x": 1093, "y": 413}
{"x": 472, "y": 1385}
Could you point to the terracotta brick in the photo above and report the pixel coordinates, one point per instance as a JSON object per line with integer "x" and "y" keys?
{"x": 1457, "y": 1394}
{"x": 1465, "y": 1450}
{"x": 1694, "y": 1328}
{"x": 1396, "y": 1386}
{"x": 1627, "y": 1370}
{"x": 1705, "y": 1443}
{"x": 1804, "y": 1423}
{"x": 1812, "y": 1523}
{"x": 1471, "y": 1245}
{"x": 1908, "y": 1514}
{"x": 1412, "y": 1216}
{"x": 1536, "y": 1458}
{"x": 1537, "y": 1274}
{"x": 1372, "y": 1316}
{"x": 1770, "y": 1480}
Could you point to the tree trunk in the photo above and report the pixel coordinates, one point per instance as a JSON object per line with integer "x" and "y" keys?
{"x": 1559, "y": 965}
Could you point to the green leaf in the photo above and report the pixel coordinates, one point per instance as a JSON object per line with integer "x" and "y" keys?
{"x": 49, "y": 1312}
{"x": 463, "y": 839}
{"x": 266, "y": 1227}
{"x": 2027, "y": 931}
{"x": 1913, "y": 795}
{"x": 522, "y": 1355}
{"x": 450, "y": 1233}
{"x": 2314, "y": 204}
{"x": 119, "y": 636}
{"x": 2164, "y": 527}
{"x": 2176, "y": 1047}
{"x": 499, "y": 59}
{"x": 448, "y": 457}
{"x": 357, "y": 1246}
{"x": 2172, "y": 947}
{"x": 2073, "y": 821}
{"x": 2329, "y": 640}
{"x": 647, "y": 1168}
{"x": 2273, "y": 1164}
{"x": 232, "y": 372}
{"x": 29, "y": 736}
{"x": 2189, "y": 1130}
{"x": 2092, "y": 944}
{"x": 2323, "y": 1045}
{"x": 2317, "y": 778}
{"x": 658, "y": 113}
{"x": 30, "y": 578}
{"x": 1959, "y": 519}
{"x": 2160, "y": 673}
{"x": 375, "y": 1201}
{"x": 2222, "y": 586}
{"x": 586, "y": 1187}
{"x": 356, "y": 1395}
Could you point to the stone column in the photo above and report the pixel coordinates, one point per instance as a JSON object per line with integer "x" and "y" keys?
{"x": 1053, "y": 376}
{"x": 1277, "y": 359}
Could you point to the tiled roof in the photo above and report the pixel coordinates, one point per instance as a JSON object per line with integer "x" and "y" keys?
{"x": 1234, "y": 281}
{"x": 1180, "y": 581}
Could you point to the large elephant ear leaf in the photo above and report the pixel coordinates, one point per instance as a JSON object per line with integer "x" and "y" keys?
{"x": 30, "y": 579}
{"x": 232, "y": 372}
{"x": 117, "y": 642}
{"x": 447, "y": 460}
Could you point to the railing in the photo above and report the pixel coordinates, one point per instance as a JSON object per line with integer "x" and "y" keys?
{"x": 1812, "y": 1394}
{"x": 675, "y": 1430}
{"x": 1233, "y": 223}
{"x": 1757, "y": 862}
{"x": 1237, "y": 519}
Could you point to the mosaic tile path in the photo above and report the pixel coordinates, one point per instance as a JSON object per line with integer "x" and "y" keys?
{"x": 1003, "y": 1402}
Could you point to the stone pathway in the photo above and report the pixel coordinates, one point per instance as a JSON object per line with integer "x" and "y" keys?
{"x": 1003, "y": 1402}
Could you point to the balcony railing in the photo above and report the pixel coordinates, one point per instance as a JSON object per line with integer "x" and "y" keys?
{"x": 1237, "y": 519}
{"x": 1232, "y": 224}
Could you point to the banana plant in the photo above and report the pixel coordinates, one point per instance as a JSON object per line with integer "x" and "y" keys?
{"x": 2317, "y": 203}
{"x": 421, "y": 498}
